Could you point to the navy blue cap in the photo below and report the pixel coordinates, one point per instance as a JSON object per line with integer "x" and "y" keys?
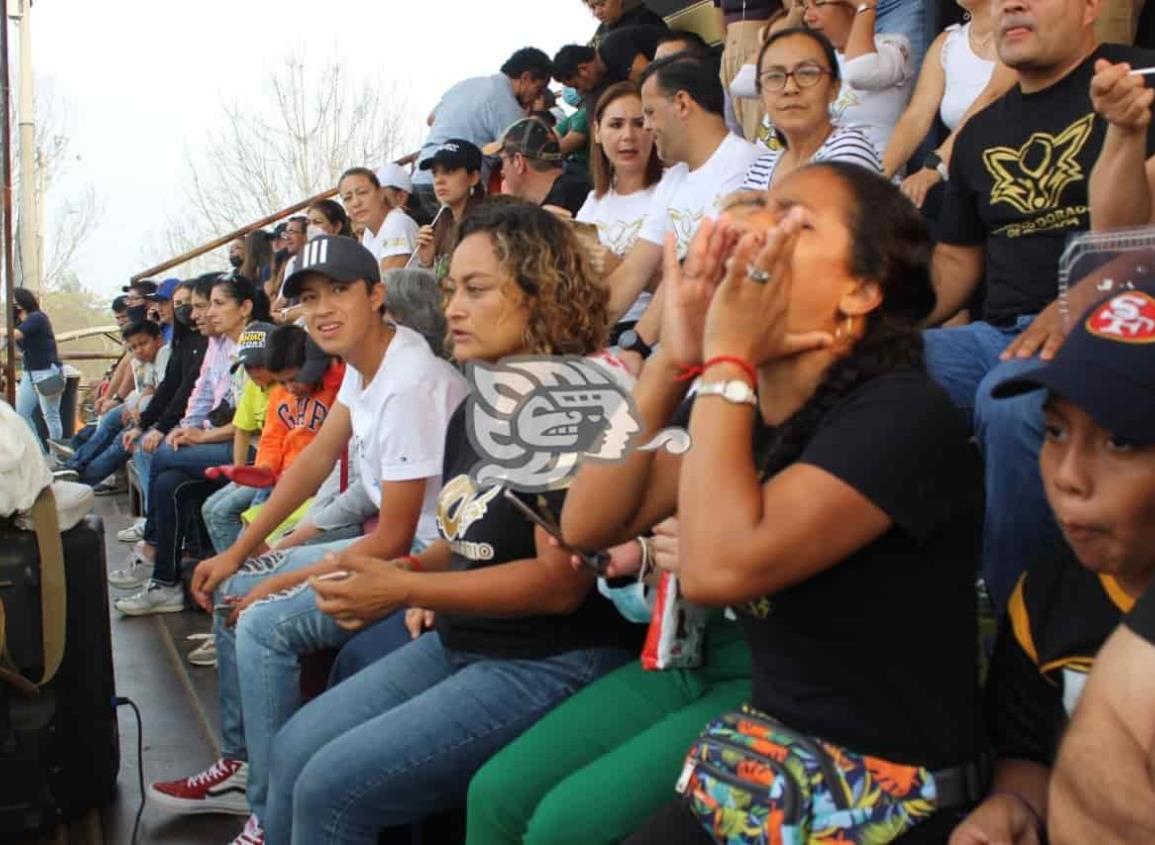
{"x": 1106, "y": 366}
{"x": 336, "y": 257}
{"x": 454, "y": 154}
{"x": 166, "y": 290}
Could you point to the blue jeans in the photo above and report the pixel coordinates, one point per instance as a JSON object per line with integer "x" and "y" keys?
{"x": 28, "y": 399}
{"x": 222, "y": 513}
{"x": 368, "y": 646}
{"x": 402, "y": 738}
{"x": 1018, "y": 525}
{"x": 257, "y": 661}
{"x": 107, "y": 428}
{"x": 912, "y": 18}
{"x": 105, "y": 463}
{"x": 191, "y": 461}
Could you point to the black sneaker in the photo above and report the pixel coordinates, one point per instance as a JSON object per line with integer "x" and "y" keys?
{"x": 65, "y": 475}
{"x": 104, "y": 488}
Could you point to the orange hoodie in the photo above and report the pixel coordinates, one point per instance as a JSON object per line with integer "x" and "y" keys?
{"x": 292, "y": 423}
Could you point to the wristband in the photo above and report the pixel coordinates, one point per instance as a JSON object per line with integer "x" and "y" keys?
{"x": 414, "y": 563}
{"x": 744, "y": 365}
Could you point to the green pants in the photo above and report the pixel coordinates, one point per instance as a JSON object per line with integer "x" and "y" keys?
{"x": 597, "y": 766}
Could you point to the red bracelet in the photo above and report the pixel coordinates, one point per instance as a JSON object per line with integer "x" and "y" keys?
{"x": 746, "y": 367}
{"x": 414, "y": 563}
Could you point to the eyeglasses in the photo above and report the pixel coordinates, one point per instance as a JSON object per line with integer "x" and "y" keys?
{"x": 806, "y": 76}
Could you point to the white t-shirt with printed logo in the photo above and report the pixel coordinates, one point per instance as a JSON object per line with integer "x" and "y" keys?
{"x": 400, "y": 418}
{"x": 619, "y": 218}
{"x": 684, "y": 197}
{"x": 398, "y": 236}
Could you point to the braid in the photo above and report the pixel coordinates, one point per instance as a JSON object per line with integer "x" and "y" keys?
{"x": 888, "y": 345}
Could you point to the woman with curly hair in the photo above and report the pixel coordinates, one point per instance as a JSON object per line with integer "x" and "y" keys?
{"x": 517, "y": 629}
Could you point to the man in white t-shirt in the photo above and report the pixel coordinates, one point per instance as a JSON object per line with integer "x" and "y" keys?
{"x": 392, "y": 410}
{"x": 683, "y": 104}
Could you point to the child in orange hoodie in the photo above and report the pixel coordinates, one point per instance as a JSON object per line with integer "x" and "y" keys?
{"x": 307, "y": 382}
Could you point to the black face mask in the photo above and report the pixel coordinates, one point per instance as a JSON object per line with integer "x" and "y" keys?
{"x": 236, "y": 261}
{"x": 137, "y": 313}
{"x": 183, "y": 314}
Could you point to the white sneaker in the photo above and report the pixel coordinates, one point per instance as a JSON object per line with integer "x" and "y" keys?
{"x": 133, "y": 533}
{"x": 135, "y": 574}
{"x": 204, "y": 654}
{"x": 253, "y": 834}
{"x": 154, "y": 598}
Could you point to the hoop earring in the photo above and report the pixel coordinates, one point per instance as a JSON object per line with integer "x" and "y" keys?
{"x": 966, "y": 17}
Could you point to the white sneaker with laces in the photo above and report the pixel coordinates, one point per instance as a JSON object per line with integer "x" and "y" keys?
{"x": 133, "y": 533}
{"x": 154, "y": 598}
{"x": 253, "y": 834}
{"x": 135, "y": 574}
{"x": 218, "y": 789}
{"x": 204, "y": 654}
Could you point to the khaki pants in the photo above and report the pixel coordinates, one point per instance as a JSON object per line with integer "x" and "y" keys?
{"x": 743, "y": 42}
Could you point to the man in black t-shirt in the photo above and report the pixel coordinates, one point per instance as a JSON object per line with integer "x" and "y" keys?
{"x": 621, "y": 56}
{"x": 1020, "y": 184}
{"x": 531, "y": 166}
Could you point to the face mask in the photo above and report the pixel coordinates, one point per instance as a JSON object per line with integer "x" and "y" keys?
{"x": 137, "y": 313}
{"x": 630, "y": 600}
{"x": 314, "y": 232}
{"x": 183, "y": 315}
{"x": 235, "y": 261}
{"x": 572, "y": 97}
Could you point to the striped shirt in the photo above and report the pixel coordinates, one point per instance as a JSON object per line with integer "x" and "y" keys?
{"x": 845, "y": 143}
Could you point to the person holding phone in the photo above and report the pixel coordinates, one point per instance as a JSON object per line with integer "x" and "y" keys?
{"x": 517, "y": 629}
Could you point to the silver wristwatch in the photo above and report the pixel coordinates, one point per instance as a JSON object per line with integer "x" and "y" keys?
{"x": 734, "y": 390}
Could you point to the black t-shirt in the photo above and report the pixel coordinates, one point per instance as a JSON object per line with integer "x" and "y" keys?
{"x": 38, "y": 345}
{"x": 1057, "y": 619}
{"x": 879, "y": 653}
{"x": 620, "y": 47}
{"x": 1141, "y": 619}
{"x": 569, "y": 192}
{"x": 483, "y": 529}
{"x": 1019, "y": 182}
{"x": 638, "y": 16}
{"x": 747, "y": 10}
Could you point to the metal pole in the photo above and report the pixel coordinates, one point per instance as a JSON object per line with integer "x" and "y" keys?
{"x": 29, "y": 218}
{"x": 6, "y": 140}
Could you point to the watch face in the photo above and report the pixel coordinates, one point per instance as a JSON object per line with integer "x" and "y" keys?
{"x": 628, "y": 339}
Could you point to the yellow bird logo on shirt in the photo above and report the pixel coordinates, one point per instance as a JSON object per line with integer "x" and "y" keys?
{"x": 1032, "y": 178}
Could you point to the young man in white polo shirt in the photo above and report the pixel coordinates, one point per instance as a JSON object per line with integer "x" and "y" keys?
{"x": 392, "y": 409}
{"x": 683, "y": 104}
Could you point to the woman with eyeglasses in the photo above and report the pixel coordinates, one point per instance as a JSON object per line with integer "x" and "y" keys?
{"x": 799, "y": 80}
{"x": 876, "y": 69}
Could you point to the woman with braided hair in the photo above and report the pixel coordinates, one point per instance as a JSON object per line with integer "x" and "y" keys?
{"x": 831, "y": 497}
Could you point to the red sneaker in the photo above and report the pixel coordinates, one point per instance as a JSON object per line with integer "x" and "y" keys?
{"x": 253, "y": 834}
{"x": 218, "y": 789}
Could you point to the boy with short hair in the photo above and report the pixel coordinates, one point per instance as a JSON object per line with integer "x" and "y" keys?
{"x": 394, "y": 403}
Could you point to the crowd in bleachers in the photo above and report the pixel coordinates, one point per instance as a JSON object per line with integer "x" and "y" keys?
{"x": 830, "y": 253}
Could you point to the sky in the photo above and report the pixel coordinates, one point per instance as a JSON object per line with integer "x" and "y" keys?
{"x": 143, "y": 82}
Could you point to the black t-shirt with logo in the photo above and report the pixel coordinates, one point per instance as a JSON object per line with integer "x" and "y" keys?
{"x": 569, "y": 191}
{"x": 1141, "y": 619}
{"x": 483, "y": 529}
{"x": 1019, "y": 182}
{"x": 879, "y": 652}
{"x": 1058, "y": 618}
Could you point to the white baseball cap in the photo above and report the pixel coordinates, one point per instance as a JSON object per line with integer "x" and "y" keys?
{"x": 395, "y": 176}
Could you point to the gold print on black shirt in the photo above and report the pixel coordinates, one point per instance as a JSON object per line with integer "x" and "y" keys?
{"x": 1033, "y": 177}
{"x": 459, "y": 505}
